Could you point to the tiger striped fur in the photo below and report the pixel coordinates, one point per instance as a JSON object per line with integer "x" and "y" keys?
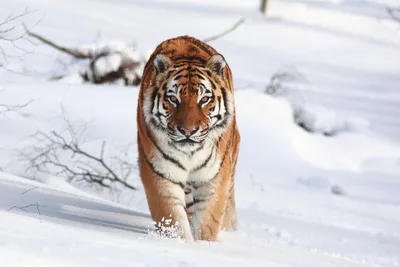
{"x": 188, "y": 139}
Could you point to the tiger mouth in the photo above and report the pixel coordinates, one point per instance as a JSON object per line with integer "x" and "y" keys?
{"x": 187, "y": 141}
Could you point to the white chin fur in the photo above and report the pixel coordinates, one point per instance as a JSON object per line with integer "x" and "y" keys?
{"x": 187, "y": 147}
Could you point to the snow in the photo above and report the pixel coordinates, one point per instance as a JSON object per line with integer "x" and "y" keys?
{"x": 304, "y": 199}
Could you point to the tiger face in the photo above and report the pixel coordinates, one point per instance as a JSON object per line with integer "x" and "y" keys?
{"x": 188, "y": 103}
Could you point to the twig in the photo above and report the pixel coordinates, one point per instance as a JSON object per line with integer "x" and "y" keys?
{"x": 30, "y": 189}
{"x": 217, "y": 36}
{"x": 5, "y": 31}
{"x": 9, "y": 108}
{"x": 28, "y": 206}
{"x": 261, "y": 186}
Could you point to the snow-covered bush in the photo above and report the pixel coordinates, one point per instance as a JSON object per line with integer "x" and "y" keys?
{"x": 104, "y": 62}
{"x": 100, "y": 62}
{"x": 312, "y": 118}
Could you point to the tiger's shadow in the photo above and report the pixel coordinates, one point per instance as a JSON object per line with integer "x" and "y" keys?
{"x": 69, "y": 209}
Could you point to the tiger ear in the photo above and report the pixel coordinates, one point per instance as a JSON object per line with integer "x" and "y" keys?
{"x": 162, "y": 63}
{"x": 216, "y": 64}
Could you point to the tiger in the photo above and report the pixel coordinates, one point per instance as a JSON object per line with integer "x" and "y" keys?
{"x": 188, "y": 139}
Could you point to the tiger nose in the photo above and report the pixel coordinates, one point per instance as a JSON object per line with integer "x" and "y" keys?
{"x": 187, "y": 132}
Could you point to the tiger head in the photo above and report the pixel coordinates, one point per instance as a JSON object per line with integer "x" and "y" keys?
{"x": 189, "y": 103}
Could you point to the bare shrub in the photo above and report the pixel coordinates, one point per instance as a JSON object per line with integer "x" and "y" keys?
{"x": 279, "y": 80}
{"x": 108, "y": 62}
{"x": 64, "y": 154}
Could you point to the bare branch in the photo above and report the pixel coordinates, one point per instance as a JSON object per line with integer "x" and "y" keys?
{"x": 255, "y": 183}
{"x": 69, "y": 51}
{"x": 24, "y": 208}
{"x": 11, "y": 108}
{"x": 30, "y": 189}
{"x": 222, "y": 34}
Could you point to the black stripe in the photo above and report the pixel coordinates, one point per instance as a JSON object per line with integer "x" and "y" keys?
{"x": 198, "y": 65}
{"x": 213, "y": 218}
{"x": 196, "y": 150}
{"x": 177, "y": 77}
{"x": 180, "y": 64}
{"x": 164, "y": 87}
{"x": 178, "y": 204}
{"x": 224, "y": 97}
{"x": 232, "y": 186}
{"x": 200, "y": 77}
{"x": 187, "y": 63}
{"x": 213, "y": 85}
{"x": 158, "y": 105}
{"x": 211, "y": 231}
{"x": 204, "y": 163}
{"x": 153, "y": 97}
{"x": 225, "y": 119}
{"x": 169, "y": 74}
{"x": 196, "y": 200}
{"x": 166, "y": 157}
{"x": 197, "y": 185}
{"x": 194, "y": 58}
{"x": 177, "y": 201}
{"x": 191, "y": 153}
{"x": 187, "y": 191}
{"x": 209, "y": 73}
{"x": 219, "y": 117}
{"x": 223, "y": 158}
{"x": 190, "y": 204}
{"x": 219, "y": 105}
{"x": 159, "y": 174}
{"x": 203, "y": 47}
{"x": 179, "y": 73}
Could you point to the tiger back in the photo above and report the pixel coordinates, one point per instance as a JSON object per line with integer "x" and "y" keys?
{"x": 188, "y": 140}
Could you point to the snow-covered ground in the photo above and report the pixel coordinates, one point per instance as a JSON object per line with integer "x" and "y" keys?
{"x": 349, "y": 53}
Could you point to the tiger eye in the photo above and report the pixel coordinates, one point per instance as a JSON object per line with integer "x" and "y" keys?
{"x": 204, "y": 99}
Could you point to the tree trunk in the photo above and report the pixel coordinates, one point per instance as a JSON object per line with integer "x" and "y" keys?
{"x": 264, "y": 6}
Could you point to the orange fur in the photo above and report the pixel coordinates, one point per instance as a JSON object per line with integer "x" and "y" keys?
{"x": 168, "y": 174}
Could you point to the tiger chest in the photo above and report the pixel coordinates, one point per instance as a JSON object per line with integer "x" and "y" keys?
{"x": 183, "y": 169}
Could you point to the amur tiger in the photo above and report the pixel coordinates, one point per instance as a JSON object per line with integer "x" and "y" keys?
{"x": 188, "y": 139}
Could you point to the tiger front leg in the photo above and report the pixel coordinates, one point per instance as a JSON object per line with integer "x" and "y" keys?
{"x": 210, "y": 200}
{"x": 230, "y": 218}
{"x": 167, "y": 207}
